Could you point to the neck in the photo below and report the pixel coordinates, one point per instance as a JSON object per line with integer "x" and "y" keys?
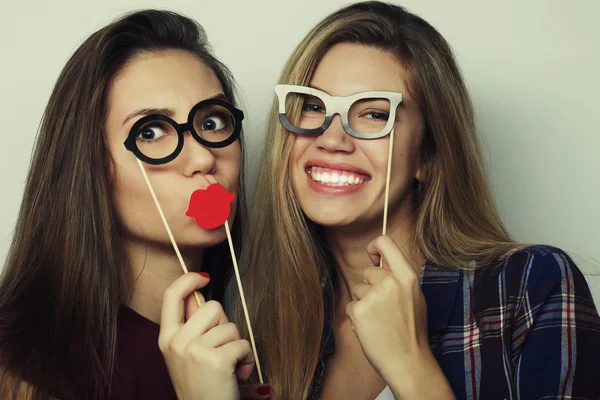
{"x": 349, "y": 246}
{"x": 154, "y": 268}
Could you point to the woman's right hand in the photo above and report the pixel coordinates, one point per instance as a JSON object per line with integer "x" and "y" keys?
{"x": 203, "y": 351}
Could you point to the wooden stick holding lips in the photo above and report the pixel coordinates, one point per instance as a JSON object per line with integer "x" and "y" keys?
{"x": 387, "y": 188}
{"x": 210, "y": 209}
{"x": 164, "y": 220}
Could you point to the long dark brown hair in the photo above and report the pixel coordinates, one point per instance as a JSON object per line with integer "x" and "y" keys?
{"x": 65, "y": 276}
{"x": 453, "y": 210}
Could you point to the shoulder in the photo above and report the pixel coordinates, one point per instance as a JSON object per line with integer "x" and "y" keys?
{"x": 549, "y": 258}
{"x": 542, "y": 276}
{"x": 544, "y": 269}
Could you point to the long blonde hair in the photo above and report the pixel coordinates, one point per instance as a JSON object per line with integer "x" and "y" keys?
{"x": 455, "y": 217}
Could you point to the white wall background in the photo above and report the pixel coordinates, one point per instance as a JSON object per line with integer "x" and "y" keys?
{"x": 532, "y": 68}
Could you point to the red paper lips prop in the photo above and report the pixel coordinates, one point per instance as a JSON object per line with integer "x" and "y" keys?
{"x": 210, "y": 207}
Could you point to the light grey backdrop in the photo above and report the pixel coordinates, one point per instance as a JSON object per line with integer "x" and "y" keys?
{"x": 532, "y": 68}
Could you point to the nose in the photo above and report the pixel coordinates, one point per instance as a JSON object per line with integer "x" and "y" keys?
{"x": 335, "y": 139}
{"x": 196, "y": 158}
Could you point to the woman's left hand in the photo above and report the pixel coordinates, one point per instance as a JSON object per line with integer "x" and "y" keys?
{"x": 389, "y": 317}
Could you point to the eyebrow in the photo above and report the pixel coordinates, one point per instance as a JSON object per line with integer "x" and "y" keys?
{"x": 165, "y": 111}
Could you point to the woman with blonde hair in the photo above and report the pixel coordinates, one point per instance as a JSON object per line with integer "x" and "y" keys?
{"x": 459, "y": 309}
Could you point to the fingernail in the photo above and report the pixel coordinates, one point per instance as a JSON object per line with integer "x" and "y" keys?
{"x": 204, "y": 274}
{"x": 264, "y": 390}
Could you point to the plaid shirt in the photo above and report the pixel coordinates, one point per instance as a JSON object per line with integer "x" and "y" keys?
{"x": 526, "y": 330}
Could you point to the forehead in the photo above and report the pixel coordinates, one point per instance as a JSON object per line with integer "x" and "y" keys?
{"x": 349, "y": 68}
{"x": 167, "y": 79}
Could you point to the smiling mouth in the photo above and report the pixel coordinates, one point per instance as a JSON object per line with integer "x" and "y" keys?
{"x": 334, "y": 177}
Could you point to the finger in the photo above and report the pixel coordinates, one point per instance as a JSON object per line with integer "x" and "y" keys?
{"x": 220, "y": 335}
{"x": 243, "y": 372}
{"x": 172, "y": 312}
{"x": 256, "y": 391}
{"x": 240, "y": 354}
{"x": 392, "y": 255}
{"x": 374, "y": 275}
{"x": 360, "y": 290}
{"x": 190, "y": 302}
{"x": 208, "y": 316}
{"x": 191, "y": 305}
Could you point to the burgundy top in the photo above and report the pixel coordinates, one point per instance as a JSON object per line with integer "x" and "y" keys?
{"x": 140, "y": 371}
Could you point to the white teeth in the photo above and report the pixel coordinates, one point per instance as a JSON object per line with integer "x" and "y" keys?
{"x": 334, "y": 178}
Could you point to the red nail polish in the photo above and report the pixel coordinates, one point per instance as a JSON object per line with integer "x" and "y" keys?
{"x": 264, "y": 390}
{"x": 204, "y": 274}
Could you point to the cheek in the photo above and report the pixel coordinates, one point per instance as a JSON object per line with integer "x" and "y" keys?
{"x": 229, "y": 162}
{"x": 377, "y": 152}
{"x": 407, "y": 140}
{"x": 301, "y": 143}
{"x": 131, "y": 196}
{"x": 130, "y": 192}
{"x": 296, "y": 165}
{"x": 405, "y": 161}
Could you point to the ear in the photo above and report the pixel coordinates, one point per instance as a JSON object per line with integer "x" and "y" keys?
{"x": 421, "y": 173}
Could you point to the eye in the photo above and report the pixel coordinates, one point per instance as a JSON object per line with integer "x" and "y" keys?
{"x": 151, "y": 133}
{"x": 213, "y": 123}
{"x": 312, "y": 107}
{"x": 377, "y": 115}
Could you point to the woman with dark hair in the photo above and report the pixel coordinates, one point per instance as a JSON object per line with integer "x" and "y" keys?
{"x": 82, "y": 289}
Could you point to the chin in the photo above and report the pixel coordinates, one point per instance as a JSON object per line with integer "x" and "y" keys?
{"x": 343, "y": 217}
{"x": 329, "y": 218}
{"x": 198, "y": 237}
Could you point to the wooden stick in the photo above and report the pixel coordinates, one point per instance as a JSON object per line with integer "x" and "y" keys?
{"x": 241, "y": 289}
{"x": 387, "y": 188}
{"x": 164, "y": 220}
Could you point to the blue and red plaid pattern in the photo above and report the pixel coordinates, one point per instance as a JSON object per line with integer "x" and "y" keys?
{"x": 526, "y": 329}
